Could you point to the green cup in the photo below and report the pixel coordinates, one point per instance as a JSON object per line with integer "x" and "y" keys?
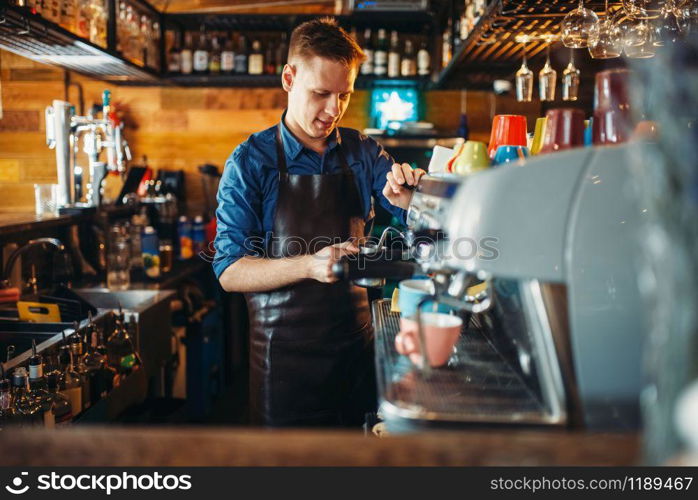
{"x": 538, "y": 135}
{"x": 472, "y": 158}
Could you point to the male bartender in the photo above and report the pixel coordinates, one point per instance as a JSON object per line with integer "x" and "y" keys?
{"x": 303, "y": 189}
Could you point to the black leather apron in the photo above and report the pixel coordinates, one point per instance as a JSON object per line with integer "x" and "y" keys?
{"x": 311, "y": 343}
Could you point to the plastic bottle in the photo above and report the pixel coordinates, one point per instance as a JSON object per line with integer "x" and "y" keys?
{"x": 198, "y": 235}
{"x": 151, "y": 254}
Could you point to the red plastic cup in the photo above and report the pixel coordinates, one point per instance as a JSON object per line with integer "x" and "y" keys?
{"x": 563, "y": 130}
{"x": 612, "y": 118}
{"x": 507, "y": 130}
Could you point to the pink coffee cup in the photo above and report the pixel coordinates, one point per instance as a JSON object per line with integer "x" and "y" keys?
{"x": 441, "y": 332}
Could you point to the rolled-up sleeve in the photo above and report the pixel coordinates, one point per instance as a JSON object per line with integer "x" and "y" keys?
{"x": 239, "y": 213}
{"x": 382, "y": 164}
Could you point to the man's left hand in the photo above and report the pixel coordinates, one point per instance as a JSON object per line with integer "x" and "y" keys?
{"x": 399, "y": 177}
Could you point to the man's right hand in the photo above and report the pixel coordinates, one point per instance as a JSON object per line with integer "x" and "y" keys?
{"x": 319, "y": 265}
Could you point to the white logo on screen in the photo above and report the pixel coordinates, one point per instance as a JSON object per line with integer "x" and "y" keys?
{"x": 17, "y": 483}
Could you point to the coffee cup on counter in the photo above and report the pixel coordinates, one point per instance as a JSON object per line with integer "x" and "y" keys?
{"x": 564, "y": 129}
{"x": 411, "y": 292}
{"x": 441, "y": 332}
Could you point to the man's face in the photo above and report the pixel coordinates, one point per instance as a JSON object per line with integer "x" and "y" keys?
{"x": 318, "y": 95}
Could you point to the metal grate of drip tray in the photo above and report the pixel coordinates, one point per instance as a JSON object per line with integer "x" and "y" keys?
{"x": 476, "y": 386}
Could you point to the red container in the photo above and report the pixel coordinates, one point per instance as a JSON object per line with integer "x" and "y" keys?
{"x": 612, "y": 118}
{"x": 564, "y": 129}
{"x": 507, "y": 130}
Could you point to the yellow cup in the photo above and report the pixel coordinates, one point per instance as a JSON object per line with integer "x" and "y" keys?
{"x": 472, "y": 158}
{"x": 538, "y": 135}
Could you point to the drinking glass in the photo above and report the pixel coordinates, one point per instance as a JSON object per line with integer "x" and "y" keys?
{"x": 118, "y": 259}
{"x": 579, "y": 26}
{"x": 634, "y": 28}
{"x": 46, "y": 199}
{"x": 524, "y": 81}
{"x": 643, "y": 51}
{"x": 607, "y": 42}
{"x": 570, "y": 80}
{"x": 667, "y": 27}
{"x": 547, "y": 79}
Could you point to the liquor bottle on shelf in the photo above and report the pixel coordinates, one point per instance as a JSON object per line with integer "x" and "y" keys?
{"x": 174, "y": 61}
{"x": 121, "y": 355}
{"x": 186, "y": 56}
{"x": 423, "y": 60}
{"x": 446, "y": 48}
{"x": 100, "y": 380}
{"x": 256, "y": 59}
{"x": 228, "y": 56}
{"x": 52, "y": 10}
{"x": 201, "y": 53}
{"x": 281, "y": 54}
{"x": 144, "y": 36}
{"x": 269, "y": 60}
{"x": 154, "y": 46}
{"x": 70, "y": 383}
{"x": 241, "y": 56}
{"x": 27, "y": 410}
{"x": 76, "y": 348}
{"x": 408, "y": 67}
{"x": 60, "y": 405}
{"x": 68, "y": 15}
{"x": 214, "y": 60}
{"x": 98, "y": 22}
{"x": 380, "y": 56}
{"x": 367, "y": 67}
{"x": 122, "y": 31}
{"x": 133, "y": 33}
{"x": 394, "y": 56}
{"x": 82, "y": 18}
{"x": 37, "y": 387}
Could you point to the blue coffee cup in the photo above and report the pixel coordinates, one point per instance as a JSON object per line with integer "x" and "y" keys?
{"x": 412, "y": 291}
{"x": 509, "y": 154}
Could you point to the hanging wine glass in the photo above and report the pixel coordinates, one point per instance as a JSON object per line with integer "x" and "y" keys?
{"x": 547, "y": 79}
{"x": 644, "y": 50}
{"x": 607, "y": 41}
{"x": 524, "y": 80}
{"x": 667, "y": 26}
{"x": 634, "y": 29}
{"x": 578, "y": 26}
{"x": 570, "y": 80}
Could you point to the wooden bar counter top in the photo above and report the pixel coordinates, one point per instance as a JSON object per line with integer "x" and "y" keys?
{"x": 226, "y": 446}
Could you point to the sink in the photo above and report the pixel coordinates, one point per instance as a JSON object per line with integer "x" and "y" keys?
{"x": 151, "y": 311}
{"x": 130, "y": 300}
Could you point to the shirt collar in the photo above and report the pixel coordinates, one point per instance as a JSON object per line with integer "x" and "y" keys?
{"x": 294, "y": 147}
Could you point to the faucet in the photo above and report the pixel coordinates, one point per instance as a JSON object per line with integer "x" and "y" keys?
{"x": 12, "y": 259}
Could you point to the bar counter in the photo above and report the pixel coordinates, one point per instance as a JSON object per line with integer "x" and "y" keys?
{"x": 177, "y": 446}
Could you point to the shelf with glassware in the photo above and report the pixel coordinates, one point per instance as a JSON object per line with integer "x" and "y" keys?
{"x": 80, "y": 37}
{"x": 481, "y": 41}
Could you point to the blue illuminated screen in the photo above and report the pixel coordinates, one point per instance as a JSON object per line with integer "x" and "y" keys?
{"x": 393, "y": 105}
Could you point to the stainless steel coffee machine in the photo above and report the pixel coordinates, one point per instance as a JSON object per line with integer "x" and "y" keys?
{"x": 556, "y": 336}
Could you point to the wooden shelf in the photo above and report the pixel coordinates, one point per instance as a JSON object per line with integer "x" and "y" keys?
{"x": 492, "y": 49}
{"x": 240, "y": 80}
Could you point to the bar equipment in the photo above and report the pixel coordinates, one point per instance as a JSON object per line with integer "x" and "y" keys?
{"x": 64, "y": 130}
{"x": 555, "y": 336}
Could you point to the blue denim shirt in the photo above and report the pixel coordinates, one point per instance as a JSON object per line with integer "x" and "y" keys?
{"x": 249, "y": 185}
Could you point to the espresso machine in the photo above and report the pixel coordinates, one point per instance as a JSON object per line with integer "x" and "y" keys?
{"x": 554, "y": 336}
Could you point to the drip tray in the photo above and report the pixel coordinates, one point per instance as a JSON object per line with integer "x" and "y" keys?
{"x": 477, "y": 386}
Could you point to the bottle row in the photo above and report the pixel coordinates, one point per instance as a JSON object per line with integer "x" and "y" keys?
{"x": 137, "y": 31}
{"x": 400, "y": 56}
{"x": 460, "y": 27}
{"x": 58, "y": 385}
{"x": 229, "y": 53}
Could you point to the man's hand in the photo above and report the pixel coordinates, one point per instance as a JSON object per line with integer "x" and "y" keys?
{"x": 319, "y": 264}
{"x": 399, "y": 177}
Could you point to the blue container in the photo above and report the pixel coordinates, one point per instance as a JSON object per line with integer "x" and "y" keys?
{"x": 509, "y": 154}
{"x": 589, "y": 133}
{"x": 198, "y": 235}
{"x": 412, "y": 291}
{"x": 186, "y": 245}
{"x": 151, "y": 254}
